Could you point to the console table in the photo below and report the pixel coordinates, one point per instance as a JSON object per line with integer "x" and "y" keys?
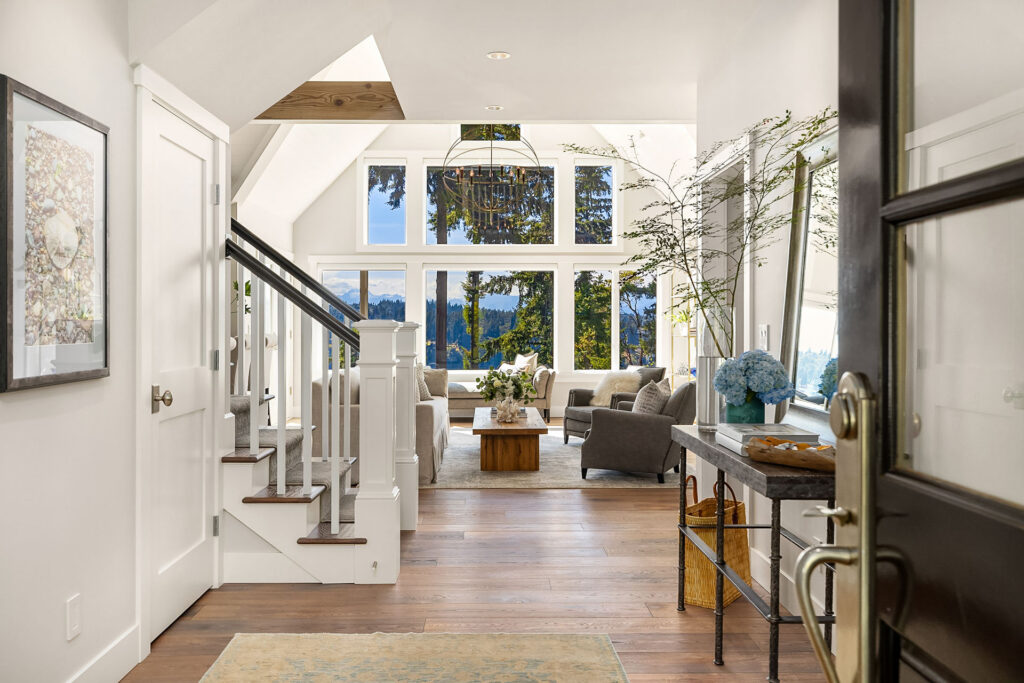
{"x": 777, "y": 483}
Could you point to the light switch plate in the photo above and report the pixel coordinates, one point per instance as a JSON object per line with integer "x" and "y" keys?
{"x": 73, "y": 616}
{"x": 762, "y": 336}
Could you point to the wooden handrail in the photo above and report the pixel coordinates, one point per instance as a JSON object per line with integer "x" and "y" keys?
{"x": 281, "y": 286}
{"x": 296, "y": 272}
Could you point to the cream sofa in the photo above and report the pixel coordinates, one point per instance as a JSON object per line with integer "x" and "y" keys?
{"x": 463, "y": 396}
{"x": 431, "y": 423}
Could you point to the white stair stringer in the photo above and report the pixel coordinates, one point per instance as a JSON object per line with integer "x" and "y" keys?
{"x": 281, "y": 524}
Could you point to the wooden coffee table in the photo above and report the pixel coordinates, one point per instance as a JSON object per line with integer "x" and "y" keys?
{"x": 509, "y": 446}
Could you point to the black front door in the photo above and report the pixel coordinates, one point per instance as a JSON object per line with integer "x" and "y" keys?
{"x": 931, "y": 316}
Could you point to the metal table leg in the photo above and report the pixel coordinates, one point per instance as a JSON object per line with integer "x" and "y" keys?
{"x": 720, "y": 560}
{"x": 681, "y": 591}
{"x": 773, "y": 608}
{"x": 830, "y": 538}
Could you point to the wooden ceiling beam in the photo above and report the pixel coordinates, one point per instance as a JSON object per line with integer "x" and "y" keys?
{"x": 338, "y": 101}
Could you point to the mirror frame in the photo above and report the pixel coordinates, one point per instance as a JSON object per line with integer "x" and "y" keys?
{"x": 809, "y": 160}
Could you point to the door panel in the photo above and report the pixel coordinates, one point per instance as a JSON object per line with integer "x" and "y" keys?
{"x": 179, "y": 262}
{"x": 964, "y": 304}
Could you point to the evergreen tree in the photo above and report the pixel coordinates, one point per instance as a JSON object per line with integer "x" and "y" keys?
{"x": 593, "y": 205}
{"x": 593, "y": 321}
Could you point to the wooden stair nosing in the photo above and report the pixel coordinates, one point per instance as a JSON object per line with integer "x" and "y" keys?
{"x": 293, "y": 494}
{"x": 321, "y": 535}
{"x": 243, "y": 454}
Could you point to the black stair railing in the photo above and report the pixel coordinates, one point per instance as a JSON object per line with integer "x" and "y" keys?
{"x": 290, "y": 292}
{"x": 298, "y": 273}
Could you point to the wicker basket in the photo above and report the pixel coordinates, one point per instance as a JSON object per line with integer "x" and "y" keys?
{"x": 700, "y": 571}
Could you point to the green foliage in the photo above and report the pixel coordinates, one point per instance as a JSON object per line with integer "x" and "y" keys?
{"x": 593, "y": 321}
{"x": 496, "y": 385}
{"x": 678, "y": 219}
{"x": 593, "y": 205}
{"x": 534, "y": 325}
{"x": 248, "y": 294}
{"x": 637, "y": 320}
{"x": 389, "y": 180}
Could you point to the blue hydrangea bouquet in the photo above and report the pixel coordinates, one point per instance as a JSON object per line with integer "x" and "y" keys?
{"x": 750, "y": 381}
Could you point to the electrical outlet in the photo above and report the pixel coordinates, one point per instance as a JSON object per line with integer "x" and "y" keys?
{"x": 762, "y": 336}
{"x": 73, "y": 616}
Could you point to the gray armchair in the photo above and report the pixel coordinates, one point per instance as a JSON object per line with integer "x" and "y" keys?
{"x": 579, "y": 412}
{"x": 622, "y": 440}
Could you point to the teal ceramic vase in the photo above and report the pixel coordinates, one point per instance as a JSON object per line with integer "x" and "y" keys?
{"x": 751, "y": 412}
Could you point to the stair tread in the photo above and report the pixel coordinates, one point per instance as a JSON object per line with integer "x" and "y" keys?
{"x": 321, "y": 534}
{"x": 292, "y": 494}
{"x": 243, "y": 455}
{"x": 240, "y": 402}
{"x": 268, "y": 437}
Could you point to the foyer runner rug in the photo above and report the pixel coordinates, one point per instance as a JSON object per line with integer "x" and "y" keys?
{"x": 417, "y": 658}
{"x": 559, "y": 468}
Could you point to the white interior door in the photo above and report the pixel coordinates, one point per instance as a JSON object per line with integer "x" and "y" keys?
{"x": 178, "y": 265}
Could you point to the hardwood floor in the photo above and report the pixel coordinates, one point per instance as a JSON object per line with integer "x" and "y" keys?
{"x": 501, "y": 560}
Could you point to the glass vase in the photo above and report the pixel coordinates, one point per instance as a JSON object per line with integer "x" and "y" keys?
{"x": 708, "y": 400}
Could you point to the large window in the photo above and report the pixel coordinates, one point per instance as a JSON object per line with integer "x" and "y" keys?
{"x": 593, "y": 320}
{"x": 478, "y": 319}
{"x": 454, "y": 215}
{"x": 594, "y": 204}
{"x": 381, "y": 293}
{"x": 638, "y": 303}
{"x": 385, "y": 205}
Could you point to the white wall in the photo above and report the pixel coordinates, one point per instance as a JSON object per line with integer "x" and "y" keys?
{"x": 67, "y": 516}
{"x": 326, "y": 233}
{"x": 785, "y": 57}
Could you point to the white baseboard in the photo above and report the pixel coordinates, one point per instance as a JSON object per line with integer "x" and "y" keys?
{"x": 114, "y": 662}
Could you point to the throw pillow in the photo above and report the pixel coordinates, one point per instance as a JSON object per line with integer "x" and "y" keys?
{"x": 527, "y": 364}
{"x": 616, "y": 381}
{"x": 421, "y": 383}
{"x": 437, "y": 381}
{"x": 540, "y": 381}
{"x": 507, "y": 368}
{"x": 652, "y": 398}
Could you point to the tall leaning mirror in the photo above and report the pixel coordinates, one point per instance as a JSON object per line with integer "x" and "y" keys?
{"x": 810, "y": 333}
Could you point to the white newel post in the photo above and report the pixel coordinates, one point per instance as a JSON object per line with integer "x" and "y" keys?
{"x": 407, "y": 464}
{"x": 378, "y": 509}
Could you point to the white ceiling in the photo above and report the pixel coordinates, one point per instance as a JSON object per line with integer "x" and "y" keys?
{"x": 572, "y": 60}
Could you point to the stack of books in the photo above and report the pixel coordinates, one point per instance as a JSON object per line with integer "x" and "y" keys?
{"x": 735, "y": 436}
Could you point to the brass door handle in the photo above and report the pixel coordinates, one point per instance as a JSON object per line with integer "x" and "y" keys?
{"x": 805, "y": 565}
{"x": 167, "y": 398}
{"x": 839, "y": 515}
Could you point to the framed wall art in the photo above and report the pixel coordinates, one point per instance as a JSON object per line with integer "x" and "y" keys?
{"x": 53, "y": 225}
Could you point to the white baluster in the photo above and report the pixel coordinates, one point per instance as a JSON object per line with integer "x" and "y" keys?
{"x": 347, "y": 423}
{"x": 407, "y": 468}
{"x": 255, "y": 361}
{"x": 307, "y": 402}
{"x": 325, "y": 387}
{"x": 335, "y": 432}
{"x": 378, "y": 509}
{"x": 240, "y": 369}
{"x": 282, "y": 405}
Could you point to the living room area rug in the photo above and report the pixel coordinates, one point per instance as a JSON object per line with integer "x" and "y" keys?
{"x": 417, "y": 658}
{"x": 559, "y": 467}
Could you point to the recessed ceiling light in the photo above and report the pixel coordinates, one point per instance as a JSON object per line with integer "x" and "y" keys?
{"x": 498, "y": 54}
{"x": 494, "y": 107}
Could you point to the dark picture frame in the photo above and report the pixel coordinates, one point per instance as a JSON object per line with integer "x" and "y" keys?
{"x": 54, "y": 274}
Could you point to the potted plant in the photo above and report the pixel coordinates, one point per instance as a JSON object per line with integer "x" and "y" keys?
{"x": 509, "y": 389}
{"x": 750, "y": 381}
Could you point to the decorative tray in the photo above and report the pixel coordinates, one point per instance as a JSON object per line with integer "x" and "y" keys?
{"x": 792, "y": 454}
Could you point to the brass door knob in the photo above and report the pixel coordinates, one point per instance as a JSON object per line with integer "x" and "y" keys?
{"x": 167, "y": 398}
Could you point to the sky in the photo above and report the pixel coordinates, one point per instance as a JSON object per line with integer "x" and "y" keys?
{"x": 384, "y": 224}
{"x": 384, "y": 284}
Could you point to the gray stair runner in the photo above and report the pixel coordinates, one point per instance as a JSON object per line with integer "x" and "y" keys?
{"x": 293, "y": 455}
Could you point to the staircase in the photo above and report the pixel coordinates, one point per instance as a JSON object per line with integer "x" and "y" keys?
{"x": 291, "y": 514}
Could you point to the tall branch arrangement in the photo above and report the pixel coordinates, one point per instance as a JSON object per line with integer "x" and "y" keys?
{"x": 677, "y": 230}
